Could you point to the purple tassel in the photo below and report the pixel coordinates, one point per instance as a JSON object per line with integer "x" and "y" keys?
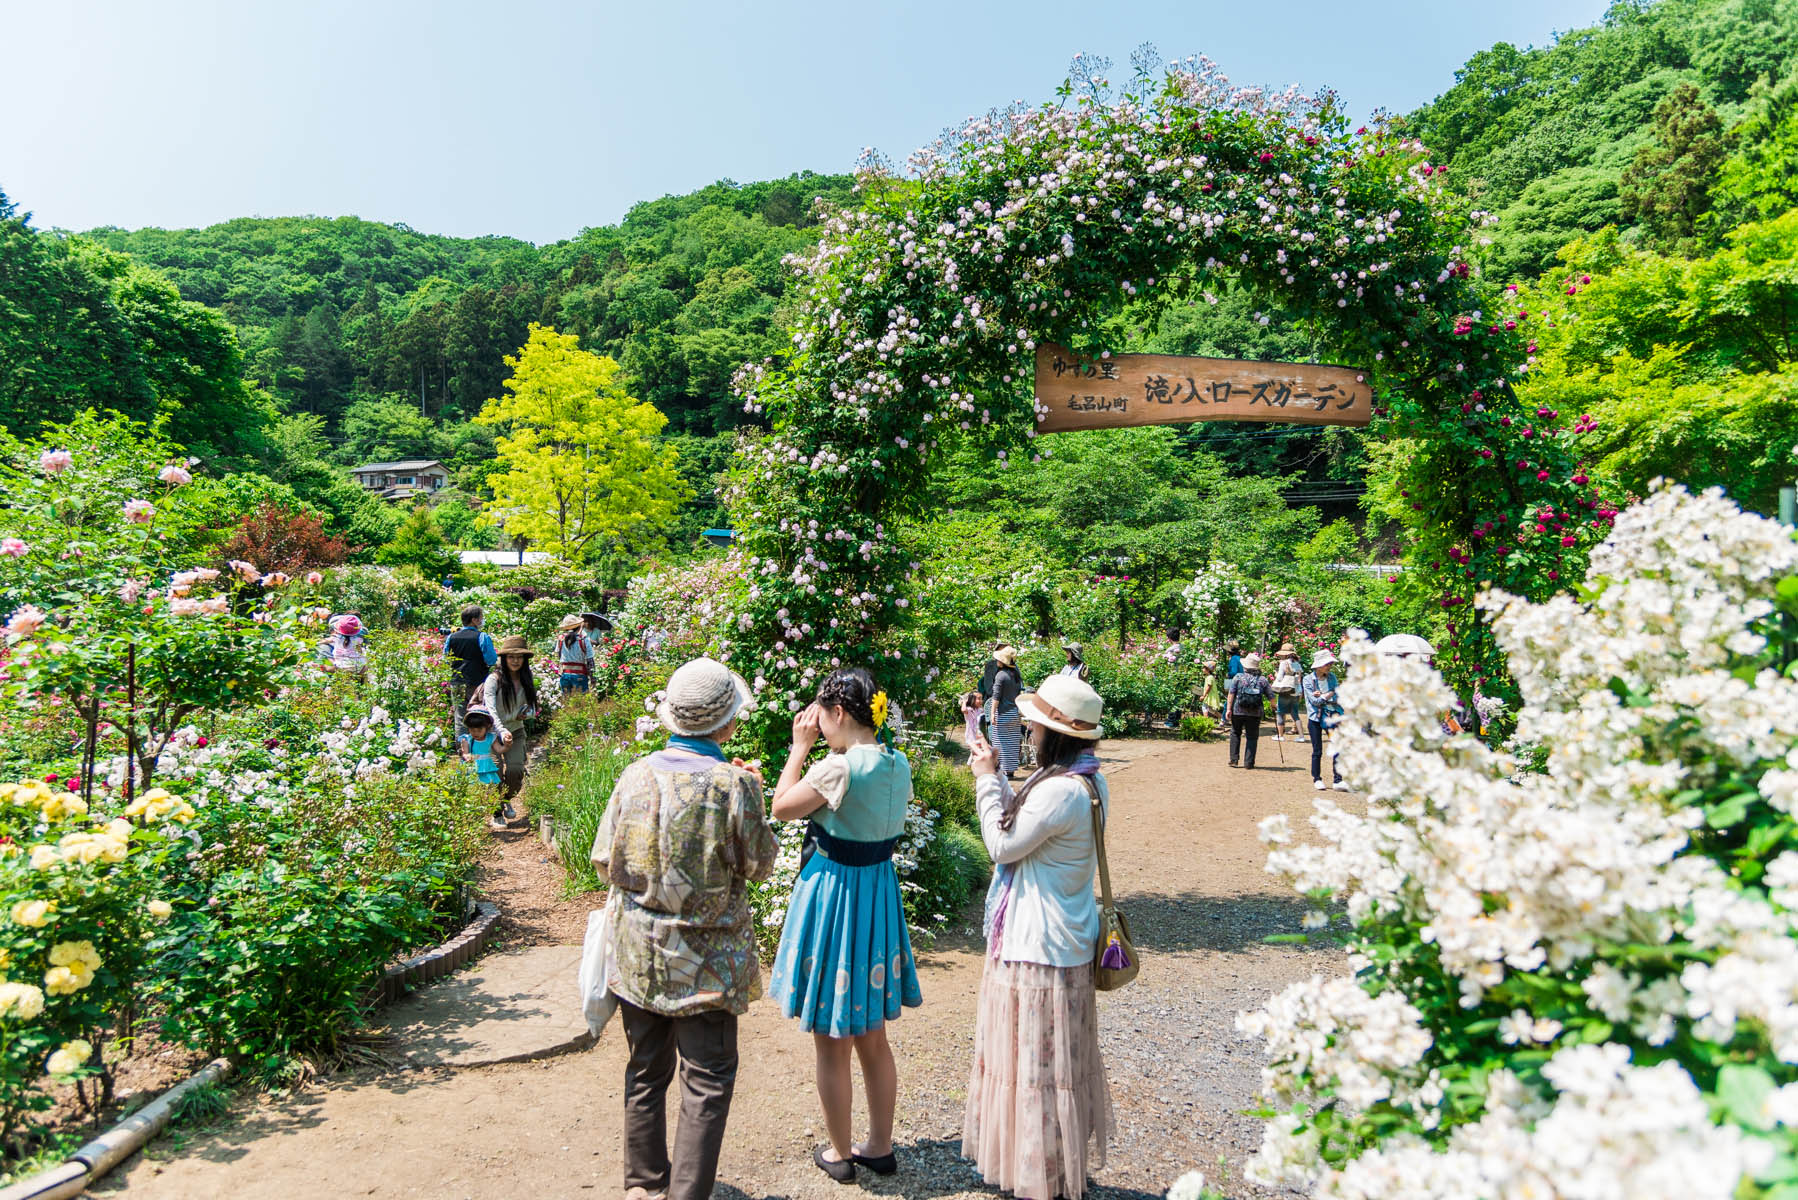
{"x": 1113, "y": 959}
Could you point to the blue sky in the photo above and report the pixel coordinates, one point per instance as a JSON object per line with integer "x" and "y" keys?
{"x": 535, "y": 120}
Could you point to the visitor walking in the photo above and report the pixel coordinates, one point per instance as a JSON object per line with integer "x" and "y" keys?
{"x": 845, "y": 965}
{"x": 1244, "y": 698}
{"x": 1286, "y": 692}
{"x": 683, "y": 835}
{"x": 483, "y": 745}
{"x": 1038, "y": 1111}
{"x": 1006, "y": 725}
{"x": 1321, "y": 713}
{"x": 987, "y": 674}
{"x": 574, "y": 654}
{"x": 1233, "y": 667}
{"x": 470, "y": 654}
{"x": 510, "y": 694}
{"x": 1075, "y": 667}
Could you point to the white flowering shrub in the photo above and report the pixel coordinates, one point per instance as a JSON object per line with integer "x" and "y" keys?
{"x": 1579, "y": 980}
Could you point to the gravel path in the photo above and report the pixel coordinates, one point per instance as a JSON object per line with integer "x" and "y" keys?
{"x": 1186, "y": 864}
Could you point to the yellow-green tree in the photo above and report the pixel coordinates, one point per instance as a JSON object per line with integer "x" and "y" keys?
{"x": 579, "y": 461}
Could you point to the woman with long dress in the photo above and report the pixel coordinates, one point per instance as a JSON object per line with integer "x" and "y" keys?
{"x": 1003, "y": 719}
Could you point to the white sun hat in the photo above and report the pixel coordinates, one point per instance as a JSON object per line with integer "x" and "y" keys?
{"x": 1064, "y": 704}
{"x": 1404, "y": 643}
{"x": 1324, "y": 659}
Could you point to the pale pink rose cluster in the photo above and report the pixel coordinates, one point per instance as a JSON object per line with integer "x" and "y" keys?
{"x": 55, "y": 462}
{"x": 27, "y": 621}
{"x": 12, "y": 547}
{"x": 140, "y": 512}
{"x": 174, "y": 476}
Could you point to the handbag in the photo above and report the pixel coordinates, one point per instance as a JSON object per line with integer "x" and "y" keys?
{"x": 597, "y": 1001}
{"x": 1115, "y": 960}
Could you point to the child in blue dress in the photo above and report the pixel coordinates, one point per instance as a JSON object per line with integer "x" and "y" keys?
{"x": 482, "y": 746}
{"x": 845, "y": 966}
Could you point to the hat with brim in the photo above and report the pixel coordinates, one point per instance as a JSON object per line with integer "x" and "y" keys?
{"x": 479, "y": 712}
{"x": 1324, "y": 659}
{"x": 1066, "y": 705}
{"x": 1072, "y": 648}
{"x": 569, "y": 623}
{"x": 1251, "y": 662}
{"x": 1286, "y": 651}
{"x": 703, "y": 697}
{"x": 1005, "y": 655}
{"x": 515, "y": 645}
{"x": 348, "y": 627}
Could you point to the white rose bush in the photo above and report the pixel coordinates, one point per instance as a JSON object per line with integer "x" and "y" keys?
{"x": 1575, "y": 976}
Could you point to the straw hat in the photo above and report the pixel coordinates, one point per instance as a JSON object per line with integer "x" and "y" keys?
{"x": 1066, "y": 705}
{"x": 1286, "y": 650}
{"x": 1006, "y": 654}
{"x": 1251, "y": 662}
{"x": 569, "y": 622}
{"x": 703, "y": 697}
{"x": 515, "y": 645}
{"x": 1324, "y": 659}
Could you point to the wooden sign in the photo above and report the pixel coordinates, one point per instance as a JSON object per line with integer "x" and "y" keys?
{"x": 1075, "y": 392}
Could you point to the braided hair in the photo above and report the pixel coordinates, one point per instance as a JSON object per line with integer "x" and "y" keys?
{"x": 852, "y": 689}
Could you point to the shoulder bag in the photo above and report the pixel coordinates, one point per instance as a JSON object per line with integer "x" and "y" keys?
{"x": 1115, "y": 960}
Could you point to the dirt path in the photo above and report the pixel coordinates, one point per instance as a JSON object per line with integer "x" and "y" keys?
{"x": 1184, "y": 859}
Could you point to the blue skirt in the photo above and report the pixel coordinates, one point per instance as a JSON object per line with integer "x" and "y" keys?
{"x": 844, "y": 965}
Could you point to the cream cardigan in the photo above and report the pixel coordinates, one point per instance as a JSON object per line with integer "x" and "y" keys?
{"x": 1051, "y": 917}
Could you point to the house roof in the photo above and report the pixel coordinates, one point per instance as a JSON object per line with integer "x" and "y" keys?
{"x": 501, "y": 558}
{"x": 410, "y": 464}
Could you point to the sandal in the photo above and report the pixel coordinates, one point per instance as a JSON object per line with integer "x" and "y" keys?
{"x": 837, "y": 1169}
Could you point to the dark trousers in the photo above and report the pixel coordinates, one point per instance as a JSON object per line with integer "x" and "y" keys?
{"x": 707, "y": 1046}
{"x": 1317, "y": 753}
{"x": 1245, "y": 734}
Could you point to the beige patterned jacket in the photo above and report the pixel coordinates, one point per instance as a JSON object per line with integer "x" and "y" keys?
{"x": 680, "y": 840}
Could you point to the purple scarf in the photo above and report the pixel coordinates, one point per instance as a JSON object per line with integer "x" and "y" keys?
{"x": 1003, "y": 874}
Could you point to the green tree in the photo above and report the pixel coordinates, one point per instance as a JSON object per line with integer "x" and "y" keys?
{"x": 418, "y": 542}
{"x": 581, "y": 464}
{"x": 1667, "y": 186}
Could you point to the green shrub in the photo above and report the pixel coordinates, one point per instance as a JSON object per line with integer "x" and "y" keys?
{"x": 1197, "y": 728}
{"x": 952, "y": 866}
{"x": 580, "y": 807}
{"x": 948, "y": 788}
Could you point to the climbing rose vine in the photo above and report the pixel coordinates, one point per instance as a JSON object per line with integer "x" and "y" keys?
{"x": 1580, "y": 980}
{"x": 920, "y": 312}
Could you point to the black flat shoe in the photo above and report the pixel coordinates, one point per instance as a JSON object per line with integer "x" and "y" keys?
{"x": 884, "y": 1165}
{"x": 842, "y": 1172}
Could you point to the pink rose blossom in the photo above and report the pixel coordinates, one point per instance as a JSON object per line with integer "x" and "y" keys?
{"x": 174, "y": 476}
{"x": 314, "y": 578}
{"x": 248, "y": 572}
{"x": 276, "y": 579}
{"x": 12, "y": 546}
{"x": 55, "y": 462}
{"x": 216, "y": 605}
{"x": 181, "y": 607}
{"x": 139, "y": 512}
{"x": 26, "y": 621}
{"x": 132, "y": 589}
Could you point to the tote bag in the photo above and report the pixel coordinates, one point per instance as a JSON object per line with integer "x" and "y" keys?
{"x": 597, "y": 954}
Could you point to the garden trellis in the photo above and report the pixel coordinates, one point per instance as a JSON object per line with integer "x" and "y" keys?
{"x": 921, "y": 312}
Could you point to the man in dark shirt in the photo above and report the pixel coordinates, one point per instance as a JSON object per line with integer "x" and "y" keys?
{"x": 470, "y": 654}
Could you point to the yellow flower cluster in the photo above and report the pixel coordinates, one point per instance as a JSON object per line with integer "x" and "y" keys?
{"x": 20, "y": 1000}
{"x": 72, "y": 967}
{"x": 33, "y": 914}
{"x": 157, "y": 805}
{"x": 35, "y": 793}
{"x": 106, "y": 843}
{"x": 70, "y": 1058}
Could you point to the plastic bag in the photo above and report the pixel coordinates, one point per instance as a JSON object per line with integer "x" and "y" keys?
{"x": 597, "y": 1001}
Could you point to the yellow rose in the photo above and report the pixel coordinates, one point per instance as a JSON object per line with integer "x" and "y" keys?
{"x": 160, "y": 909}
{"x": 20, "y": 1000}
{"x": 70, "y": 1058}
{"x": 60, "y": 981}
{"x": 43, "y": 858}
{"x": 64, "y": 806}
{"x": 34, "y": 914}
{"x": 80, "y": 955}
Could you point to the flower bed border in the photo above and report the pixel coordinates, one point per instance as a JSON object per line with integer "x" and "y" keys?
{"x": 93, "y": 1160}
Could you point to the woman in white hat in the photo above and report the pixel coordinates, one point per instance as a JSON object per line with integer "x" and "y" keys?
{"x": 683, "y": 835}
{"x": 1321, "y": 713}
{"x": 574, "y": 654}
{"x": 1006, "y": 723}
{"x": 1039, "y": 1108}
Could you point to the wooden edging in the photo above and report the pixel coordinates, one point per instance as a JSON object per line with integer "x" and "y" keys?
{"x": 130, "y": 1135}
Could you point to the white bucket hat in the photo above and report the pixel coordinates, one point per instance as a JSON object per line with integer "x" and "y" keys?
{"x": 1251, "y": 662}
{"x": 703, "y": 697}
{"x": 1064, "y": 704}
{"x": 1324, "y": 659}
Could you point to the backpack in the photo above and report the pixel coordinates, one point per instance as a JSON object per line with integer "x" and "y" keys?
{"x": 1250, "y": 690}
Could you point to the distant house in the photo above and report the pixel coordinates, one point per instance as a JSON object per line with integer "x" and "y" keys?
{"x": 503, "y": 558}
{"x": 402, "y": 480}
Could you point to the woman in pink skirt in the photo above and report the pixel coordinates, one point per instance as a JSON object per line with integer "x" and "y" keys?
{"x": 1039, "y": 1108}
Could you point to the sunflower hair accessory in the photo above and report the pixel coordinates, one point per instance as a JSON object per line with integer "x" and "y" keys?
{"x": 878, "y": 707}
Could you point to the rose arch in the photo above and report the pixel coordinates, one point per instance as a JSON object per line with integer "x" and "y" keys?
{"x": 919, "y": 314}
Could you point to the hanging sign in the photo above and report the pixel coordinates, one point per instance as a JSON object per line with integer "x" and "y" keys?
{"x": 1076, "y": 392}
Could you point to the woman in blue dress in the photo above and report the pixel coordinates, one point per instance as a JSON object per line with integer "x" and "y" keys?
{"x": 845, "y": 966}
